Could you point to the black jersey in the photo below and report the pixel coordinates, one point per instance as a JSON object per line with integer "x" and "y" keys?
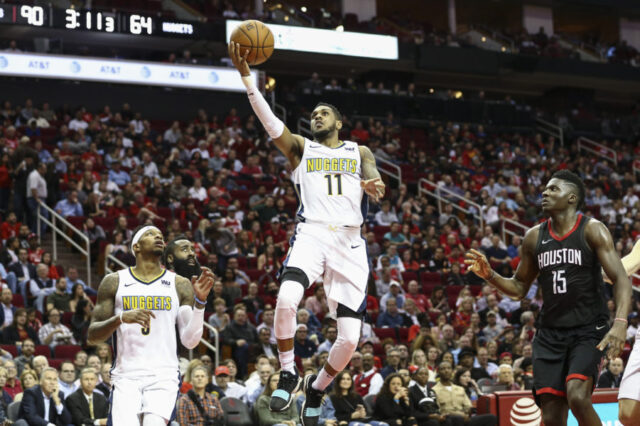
{"x": 570, "y": 278}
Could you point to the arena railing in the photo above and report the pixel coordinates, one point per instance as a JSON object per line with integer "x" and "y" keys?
{"x": 115, "y": 260}
{"x": 56, "y": 230}
{"x": 595, "y": 148}
{"x": 215, "y": 349}
{"x": 304, "y": 128}
{"x": 517, "y": 226}
{"x": 550, "y": 129}
{"x": 450, "y": 197}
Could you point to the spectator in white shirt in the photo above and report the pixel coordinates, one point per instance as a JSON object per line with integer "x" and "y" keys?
{"x": 150, "y": 167}
{"x": 54, "y": 332}
{"x": 78, "y": 122}
{"x": 630, "y": 199}
{"x": 173, "y": 134}
{"x": 385, "y": 217}
{"x": 197, "y": 191}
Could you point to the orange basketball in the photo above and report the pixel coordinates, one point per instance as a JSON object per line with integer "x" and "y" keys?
{"x": 256, "y": 37}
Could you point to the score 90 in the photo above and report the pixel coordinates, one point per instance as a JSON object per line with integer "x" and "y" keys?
{"x": 34, "y": 15}
{"x": 138, "y": 23}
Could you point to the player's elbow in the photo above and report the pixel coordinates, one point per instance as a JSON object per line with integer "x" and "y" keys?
{"x": 191, "y": 341}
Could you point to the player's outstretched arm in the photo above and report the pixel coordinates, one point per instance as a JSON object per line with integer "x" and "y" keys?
{"x": 371, "y": 181}
{"x": 289, "y": 144}
{"x": 631, "y": 262}
{"x": 600, "y": 240}
{"x": 191, "y": 311}
{"x": 103, "y": 320}
{"x": 517, "y": 286}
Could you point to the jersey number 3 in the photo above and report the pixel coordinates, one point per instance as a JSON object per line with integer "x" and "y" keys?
{"x": 559, "y": 282}
{"x": 145, "y": 330}
{"x": 338, "y": 179}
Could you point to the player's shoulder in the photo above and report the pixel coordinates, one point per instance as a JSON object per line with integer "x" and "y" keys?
{"x": 109, "y": 284}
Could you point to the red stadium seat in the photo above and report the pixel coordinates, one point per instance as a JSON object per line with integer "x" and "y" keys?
{"x": 57, "y": 362}
{"x": 430, "y": 278}
{"x": 66, "y": 318}
{"x": 12, "y": 349}
{"x": 17, "y": 300}
{"x": 403, "y": 334}
{"x": 66, "y": 351}
{"x": 43, "y": 350}
{"x": 384, "y": 333}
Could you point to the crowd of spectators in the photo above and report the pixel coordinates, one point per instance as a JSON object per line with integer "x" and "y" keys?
{"x": 220, "y": 181}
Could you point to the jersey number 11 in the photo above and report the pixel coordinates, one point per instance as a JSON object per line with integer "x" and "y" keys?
{"x": 338, "y": 179}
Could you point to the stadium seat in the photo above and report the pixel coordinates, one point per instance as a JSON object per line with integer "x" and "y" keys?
{"x": 66, "y": 318}
{"x": 18, "y": 300}
{"x": 12, "y": 349}
{"x": 12, "y": 411}
{"x": 236, "y": 412}
{"x": 66, "y": 351}
{"x": 384, "y": 333}
{"x": 369, "y": 403}
{"x": 57, "y": 362}
{"x": 43, "y": 350}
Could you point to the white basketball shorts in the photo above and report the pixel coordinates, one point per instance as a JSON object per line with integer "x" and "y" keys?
{"x": 135, "y": 396}
{"x": 630, "y": 384}
{"x": 339, "y": 255}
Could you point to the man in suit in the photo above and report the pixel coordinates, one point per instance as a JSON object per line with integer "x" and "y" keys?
{"x": 42, "y": 404}
{"x": 104, "y": 386}
{"x": 23, "y": 269}
{"x": 87, "y": 407}
{"x": 6, "y": 307}
{"x": 424, "y": 403}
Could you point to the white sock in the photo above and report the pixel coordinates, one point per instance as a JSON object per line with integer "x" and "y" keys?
{"x": 322, "y": 381}
{"x": 287, "y": 361}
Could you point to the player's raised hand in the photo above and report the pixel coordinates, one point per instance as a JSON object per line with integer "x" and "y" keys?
{"x": 478, "y": 264}
{"x": 138, "y": 316}
{"x": 239, "y": 60}
{"x": 374, "y": 188}
{"x": 203, "y": 284}
{"x": 614, "y": 339}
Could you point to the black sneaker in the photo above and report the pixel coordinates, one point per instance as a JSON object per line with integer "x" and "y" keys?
{"x": 313, "y": 400}
{"x": 288, "y": 385}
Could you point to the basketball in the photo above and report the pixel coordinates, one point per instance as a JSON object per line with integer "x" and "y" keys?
{"x": 256, "y": 37}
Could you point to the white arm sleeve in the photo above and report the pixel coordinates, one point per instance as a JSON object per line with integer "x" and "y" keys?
{"x": 190, "y": 322}
{"x": 272, "y": 124}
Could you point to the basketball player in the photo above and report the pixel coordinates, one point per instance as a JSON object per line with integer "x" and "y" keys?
{"x": 565, "y": 253}
{"x": 142, "y": 305}
{"x": 180, "y": 257}
{"x": 331, "y": 177}
{"x": 629, "y": 394}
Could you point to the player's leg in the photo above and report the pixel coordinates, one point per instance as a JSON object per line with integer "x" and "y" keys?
{"x": 125, "y": 403}
{"x": 555, "y": 409}
{"x": 302, "y": 266}
{"x": 629, "y": 412}
{"x": 584, "y": 361}
{"x": 629, "y": 394}
{"x": 349, "y": 326}
{"x": 159, "y": 398}
{"x": 549, "y": 371}
{"x": 579, "y": 398}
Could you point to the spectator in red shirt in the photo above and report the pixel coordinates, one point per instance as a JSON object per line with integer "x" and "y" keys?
{"x": 421, "y": 300}
{"x": 359, "y": 134}
{"x": 5, "y": 182}
{"x": 10, "y": 227}
{"x": 232, "y": 118}
{"x": 252, "y": 168}
{"x": 279, "y": 235}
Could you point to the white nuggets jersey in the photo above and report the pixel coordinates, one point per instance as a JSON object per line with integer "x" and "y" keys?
{"x": 328, "y": 184}
{"x": 146, "y": 351}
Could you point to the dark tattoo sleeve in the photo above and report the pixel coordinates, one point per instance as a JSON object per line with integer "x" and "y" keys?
{"x": 184, "y": 290}
{"x": 369, "y": 168}
{"x": 103, "y": 321}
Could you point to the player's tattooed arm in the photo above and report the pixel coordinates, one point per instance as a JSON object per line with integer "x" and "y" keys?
{"x": 184, "y": 290}
{"x": 103, "y": 321}
{"x": 371, "y": 181}
{"x": 517, "y": 286}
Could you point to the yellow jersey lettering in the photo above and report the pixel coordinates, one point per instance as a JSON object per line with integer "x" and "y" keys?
{"x": 126, "y": 303}
{"x": 334, "y": 164}
{"x": 310, "y": 164}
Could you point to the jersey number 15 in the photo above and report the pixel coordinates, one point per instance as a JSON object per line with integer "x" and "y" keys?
{"x": 559, "y": 282}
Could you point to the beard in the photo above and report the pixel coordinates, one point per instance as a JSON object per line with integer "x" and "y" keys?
{"x": 185, "y": 269}
{"x": 322, "y": 135}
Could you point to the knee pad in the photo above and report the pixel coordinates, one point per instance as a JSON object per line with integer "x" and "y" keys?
{"x": 346, "y": 343}
{"x": 289, "y": 298}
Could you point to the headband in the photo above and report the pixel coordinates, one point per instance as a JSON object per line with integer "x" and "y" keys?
{"x": 140, "y": 233}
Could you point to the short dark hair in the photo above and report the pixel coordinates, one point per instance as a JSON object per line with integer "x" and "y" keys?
{"x": 333, "y": 108}
{"x": 169, "y": 249}
{"x": 575, "y": 180}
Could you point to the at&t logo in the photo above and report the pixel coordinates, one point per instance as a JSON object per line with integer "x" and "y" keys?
{"x": 525, "y": 412}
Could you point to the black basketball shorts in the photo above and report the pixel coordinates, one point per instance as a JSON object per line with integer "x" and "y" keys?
{"x": 560, "y": 355}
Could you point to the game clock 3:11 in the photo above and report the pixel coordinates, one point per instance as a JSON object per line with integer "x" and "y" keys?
{"x": 108, "y": 22}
